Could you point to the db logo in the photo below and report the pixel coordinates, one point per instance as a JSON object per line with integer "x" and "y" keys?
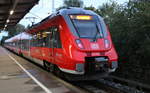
{"x": 94, "y": 46}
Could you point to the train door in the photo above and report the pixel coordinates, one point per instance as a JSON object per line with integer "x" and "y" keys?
{"x": 53, "y": 44}
{"x": 47, "y": 47}
{"x": 56, "y": 45}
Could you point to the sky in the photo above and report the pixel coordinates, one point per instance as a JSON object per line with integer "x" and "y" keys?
{"x": 44, "y": 9}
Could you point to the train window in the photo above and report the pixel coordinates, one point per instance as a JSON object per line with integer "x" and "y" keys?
{"x": 87, "y": 29}
{"x": 46, "y": 37}
{"x": 24, "y": 44}
{"x": 56, "y": 38}
{"x": 86, "y": 26}
{"x": 37, "y": 40}
{"x": 34, "y": 41}
{"x": 40, "y": 42}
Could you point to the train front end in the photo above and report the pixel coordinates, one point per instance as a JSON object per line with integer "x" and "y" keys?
{"x": 90, "y": 47}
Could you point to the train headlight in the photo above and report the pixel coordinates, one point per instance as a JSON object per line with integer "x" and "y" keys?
{"x": 79, "y": 43}
{"x": 106, "y": 43}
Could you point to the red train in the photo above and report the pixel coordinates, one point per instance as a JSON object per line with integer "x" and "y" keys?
{"x": 72, "y": 42}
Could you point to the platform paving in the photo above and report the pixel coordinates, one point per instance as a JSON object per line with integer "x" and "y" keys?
{"x": 14, "y": 80}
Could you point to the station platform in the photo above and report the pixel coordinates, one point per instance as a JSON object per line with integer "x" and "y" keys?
{"x": 18, "y": 75}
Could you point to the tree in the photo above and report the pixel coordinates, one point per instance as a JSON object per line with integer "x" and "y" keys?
{"x": 71, "y": 3}
{"x": 15, "y": 30}
{"x": 90, "y": 8}
{"x": 129, "y": 26}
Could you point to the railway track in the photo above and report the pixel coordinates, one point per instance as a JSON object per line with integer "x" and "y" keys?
{"x": 120, "y": 86}
{"x": 95, "y": 87}
{"x": 106, "y": 86}
{"x": 131, "y": 83}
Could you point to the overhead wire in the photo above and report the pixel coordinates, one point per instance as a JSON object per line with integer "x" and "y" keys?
{"x": 35, "y": 15}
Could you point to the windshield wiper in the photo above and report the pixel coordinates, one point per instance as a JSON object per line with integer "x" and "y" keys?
{"x": 97, "y": 32}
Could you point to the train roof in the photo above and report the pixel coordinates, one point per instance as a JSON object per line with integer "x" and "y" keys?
{"x": 75, "y": 10}
{"x": 20, "y": 36}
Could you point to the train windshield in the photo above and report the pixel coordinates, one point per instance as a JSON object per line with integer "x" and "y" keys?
{"x": 86, "y": 26}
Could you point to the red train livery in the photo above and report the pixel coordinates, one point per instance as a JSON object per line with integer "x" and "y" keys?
{"x": 73, "y": 42}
